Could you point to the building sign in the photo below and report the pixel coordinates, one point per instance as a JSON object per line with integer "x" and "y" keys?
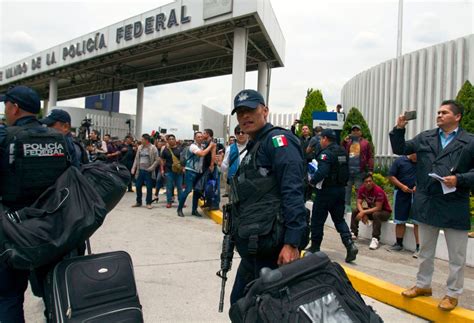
{"x": 328, "y": 120}
{"x": 142, "y": 28}
{"x": 214, "y": 8}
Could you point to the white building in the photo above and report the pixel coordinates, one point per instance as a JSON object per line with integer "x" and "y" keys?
{"x": 419, "y": 81}
{"x": 112, "y": 123}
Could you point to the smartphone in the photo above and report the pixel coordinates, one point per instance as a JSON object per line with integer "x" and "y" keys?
{"x": 410, "y": 115}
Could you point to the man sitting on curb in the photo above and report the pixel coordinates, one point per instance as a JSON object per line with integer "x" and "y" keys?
{"x": 377, "y": 210}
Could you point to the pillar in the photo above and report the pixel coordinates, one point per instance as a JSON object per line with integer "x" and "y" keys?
{"x": 239, "y": 67}
{"x": 264, "y": 80}
{"x": 53, "y": 94}
{"x": 139, "y": 115}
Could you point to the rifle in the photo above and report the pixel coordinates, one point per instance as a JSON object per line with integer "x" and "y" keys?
{"x": 227, "y": 251}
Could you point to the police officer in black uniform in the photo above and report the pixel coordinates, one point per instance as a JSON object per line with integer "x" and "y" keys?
{"x": 268, "y": 212}
{"x": 333, "y": 170}
{"x": 16, "y": 143}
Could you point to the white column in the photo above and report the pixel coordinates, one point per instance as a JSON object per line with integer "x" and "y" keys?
{"x": 53, "y": 93}
{"x": 263, "y": 80}
{"x": 239, "y": 67}
{"x": 139, "y": 117}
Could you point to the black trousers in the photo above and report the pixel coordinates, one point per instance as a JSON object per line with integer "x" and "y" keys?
{"x": 249, "y": 270}
{"x": 13, "y": 284}
{"x": 330, "y": 199}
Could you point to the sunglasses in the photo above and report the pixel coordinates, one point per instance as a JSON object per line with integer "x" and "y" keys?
{"x": 240, "y": 133}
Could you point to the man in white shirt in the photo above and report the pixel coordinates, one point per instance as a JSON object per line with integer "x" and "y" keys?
{"x": 193, "y": 171}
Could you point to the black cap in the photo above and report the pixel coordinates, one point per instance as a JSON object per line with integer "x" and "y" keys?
{"x": 56, "y": 115}
{"x": 331, "y": 134}
{"x": 356, "y": 126}
{"x": 247, "y": 98}
{"x": 26, "y": 98}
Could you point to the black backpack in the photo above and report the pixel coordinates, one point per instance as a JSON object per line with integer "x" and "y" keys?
{"x": 37, "y": 157}
{"x": 311, "y": 289}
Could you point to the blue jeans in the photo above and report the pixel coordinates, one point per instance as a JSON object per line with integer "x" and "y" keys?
{"x": 160, "y": 182}
{"x": 144, "y": 177}
{"x": 190, "y": 178}
{"x": 173, "y": 180}
{"x": 217, "y": 197}
{"x": 13, "y": 284}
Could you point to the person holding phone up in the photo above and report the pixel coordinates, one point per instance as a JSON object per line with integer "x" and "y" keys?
{"x": 447, "y": 151}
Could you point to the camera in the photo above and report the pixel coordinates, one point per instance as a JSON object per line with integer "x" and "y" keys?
{"x": 86, "y": 122}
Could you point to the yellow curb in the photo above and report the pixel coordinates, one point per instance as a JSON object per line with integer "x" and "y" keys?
{"x": 215, "y": 215}
{"x": 425, "y": 307}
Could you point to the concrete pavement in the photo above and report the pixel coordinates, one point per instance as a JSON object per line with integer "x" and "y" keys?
{"x": 176, "y": 261}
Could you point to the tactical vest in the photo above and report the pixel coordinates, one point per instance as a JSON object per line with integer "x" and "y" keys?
{"x": 339, "y": 172}
{"x": 37, "y": 156}
{"x": 258, "y": 225}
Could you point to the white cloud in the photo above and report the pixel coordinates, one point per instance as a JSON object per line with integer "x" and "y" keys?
{"x": 428, "y": 29}
{"x": 366, "y": 40}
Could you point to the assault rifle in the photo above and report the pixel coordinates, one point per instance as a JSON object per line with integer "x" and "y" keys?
{"x": 227, "y": 251}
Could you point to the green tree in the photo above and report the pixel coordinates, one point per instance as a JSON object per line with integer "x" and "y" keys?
{"x": 355, "y": 117}
{"x": 466, "y": 98}
{"x": 314, "y": 102}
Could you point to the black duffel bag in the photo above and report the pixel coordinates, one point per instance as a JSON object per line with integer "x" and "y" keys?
{"x": 60, "y": 220}
{"x": 110, "y": 180}
{"x": 311, "y": 289}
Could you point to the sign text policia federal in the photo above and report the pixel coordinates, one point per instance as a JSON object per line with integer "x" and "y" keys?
{"x": 128, "y": 32}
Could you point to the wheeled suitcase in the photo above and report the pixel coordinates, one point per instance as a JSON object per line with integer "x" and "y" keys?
{"x": 94, "y": 288}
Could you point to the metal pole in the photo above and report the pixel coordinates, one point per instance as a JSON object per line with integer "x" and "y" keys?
{"x": 400, "y": 28}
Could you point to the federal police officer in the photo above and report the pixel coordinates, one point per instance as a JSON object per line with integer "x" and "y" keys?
{"x": 23, "y": 179}
{"x": 333, "y": 170}
{"x": 61, "y": 121}
{"x": 268, "y": 212}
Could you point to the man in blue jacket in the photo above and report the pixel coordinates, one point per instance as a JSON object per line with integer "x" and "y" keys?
{"x": 447, "y": 151}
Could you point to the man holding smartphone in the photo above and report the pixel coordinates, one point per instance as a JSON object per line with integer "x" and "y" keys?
{"x": 447, "y": 151}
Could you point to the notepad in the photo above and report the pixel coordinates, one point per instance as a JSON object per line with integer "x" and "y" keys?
{"x": 445, "y": 188}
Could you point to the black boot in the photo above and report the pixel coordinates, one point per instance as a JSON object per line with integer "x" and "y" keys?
{"x": 180, "y": 213}
{"x": 313, "y": 248}
{"x": 351, "y": 251}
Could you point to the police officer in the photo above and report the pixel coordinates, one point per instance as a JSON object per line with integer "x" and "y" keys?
{"x": 61, "y": 121}
{"x": 21, "y": 105}
{"x": 268, "y": 212}
{"x": 333, "y": 171}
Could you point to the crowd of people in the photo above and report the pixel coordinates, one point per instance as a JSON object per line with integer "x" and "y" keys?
{"x": 271, "y": 174}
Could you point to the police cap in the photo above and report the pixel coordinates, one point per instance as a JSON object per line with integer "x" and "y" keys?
{"x": 26, "y": 98}
{"x": 56, "y": 115}
{"x": 331, "y": 134}
{"x": 247, "y": 98}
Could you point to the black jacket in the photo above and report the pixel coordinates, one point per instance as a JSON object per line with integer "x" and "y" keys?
{"x": 430, "y": 205}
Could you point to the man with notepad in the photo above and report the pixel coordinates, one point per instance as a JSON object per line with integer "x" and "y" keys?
{"x": 445, "y": 161}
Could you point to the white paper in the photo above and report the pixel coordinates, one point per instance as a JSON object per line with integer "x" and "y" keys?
{"x": 445, "y": 188}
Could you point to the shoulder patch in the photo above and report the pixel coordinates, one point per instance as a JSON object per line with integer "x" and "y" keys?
{"x": 279, "y": 141}
{"x": 323, "y": 157}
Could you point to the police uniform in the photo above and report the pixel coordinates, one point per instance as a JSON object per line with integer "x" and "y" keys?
{"x": 333, "y": 171}
{"x": 267, "y": 200}
{"x": 13, "y": 282}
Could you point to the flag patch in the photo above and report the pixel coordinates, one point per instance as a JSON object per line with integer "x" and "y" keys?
{"x": 279, "y": 141}
{"x": 323, "y": 157}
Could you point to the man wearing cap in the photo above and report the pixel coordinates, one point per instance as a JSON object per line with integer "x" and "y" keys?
{"x": 21, "y": 106}
{"x": 333, "y": 171}
{"x": 61, "y": 121}
{"x": 361, "y": 160}
{"x": 268, "y": 212}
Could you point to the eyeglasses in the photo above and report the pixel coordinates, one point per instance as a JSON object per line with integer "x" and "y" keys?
{"x": 240, "y": 133}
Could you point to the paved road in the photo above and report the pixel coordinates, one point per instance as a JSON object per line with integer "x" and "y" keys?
{"x": 176, "y": 260}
